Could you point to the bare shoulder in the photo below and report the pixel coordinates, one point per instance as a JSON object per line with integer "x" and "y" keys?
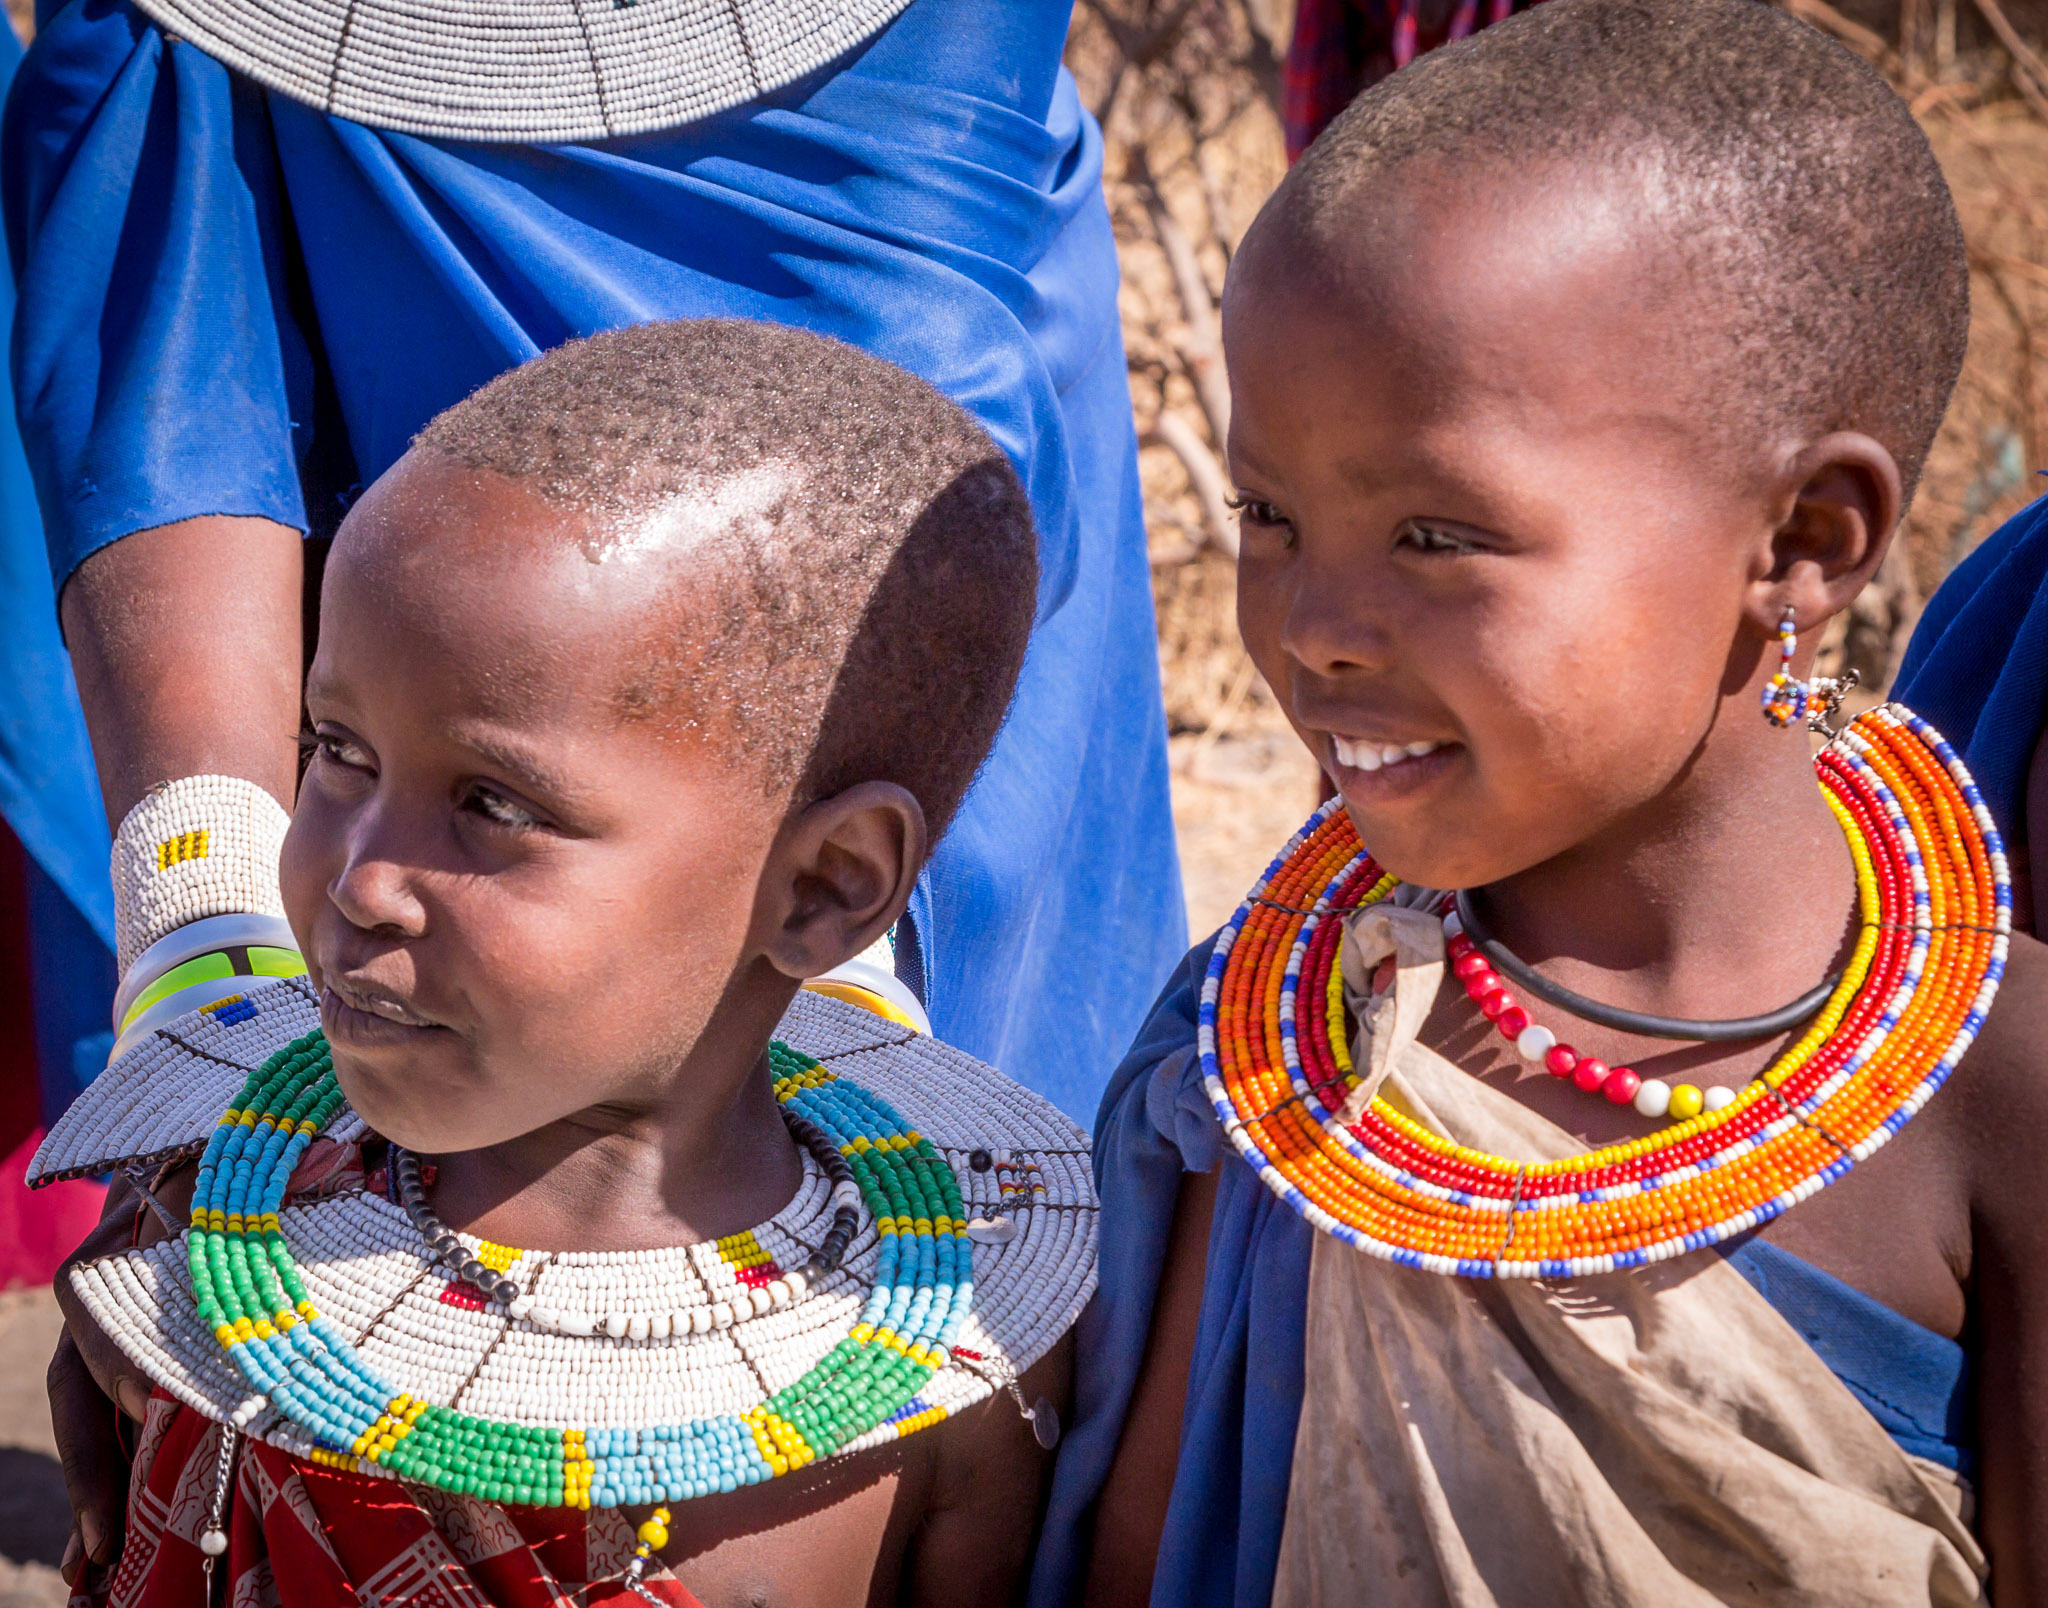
{"x": 2000, "y": 1094}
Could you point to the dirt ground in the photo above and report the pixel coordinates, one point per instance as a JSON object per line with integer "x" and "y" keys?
{"x": 34, "y": 1515}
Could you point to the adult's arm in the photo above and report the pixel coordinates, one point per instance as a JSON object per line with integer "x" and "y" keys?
{"x": 164, "y": 395}
{"x": 183, "y": 672}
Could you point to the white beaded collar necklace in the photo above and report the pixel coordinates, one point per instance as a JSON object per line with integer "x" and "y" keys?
{"x": 730, "y": 1343}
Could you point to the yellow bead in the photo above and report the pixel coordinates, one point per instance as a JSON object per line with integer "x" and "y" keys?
{"x": 1686, "y": 1101}
{"x": 653, "y": 1536}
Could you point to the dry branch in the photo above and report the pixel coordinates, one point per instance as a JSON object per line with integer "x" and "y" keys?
{"x": 1866, "y": 43}
{"x": 2022, "y": 53}
{"x": 1994, "y": 268}
{"x": 1205, "y": 475}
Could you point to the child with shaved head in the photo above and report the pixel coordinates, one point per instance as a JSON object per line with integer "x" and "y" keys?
{"x": 545, "y": 1240}
{"x": 1596, "y": 1163}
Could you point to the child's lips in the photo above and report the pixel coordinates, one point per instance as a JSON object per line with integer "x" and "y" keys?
{"x": 1383, "y": 770}
{"x": 358, "y": 1015}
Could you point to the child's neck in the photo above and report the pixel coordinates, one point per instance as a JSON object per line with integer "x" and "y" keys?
{"x": 1728, "y": 894}
{"x": 708, "y": 1156}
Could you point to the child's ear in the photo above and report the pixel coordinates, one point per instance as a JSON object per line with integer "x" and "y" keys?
{"x": 1842, "y": 498}
{"x": 839, "y": 875}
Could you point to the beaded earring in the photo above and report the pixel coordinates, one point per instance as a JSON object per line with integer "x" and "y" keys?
{"x": 1787, "y": 699}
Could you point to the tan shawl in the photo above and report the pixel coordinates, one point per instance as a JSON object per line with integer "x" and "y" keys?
{"x": 1661, "y": 1437}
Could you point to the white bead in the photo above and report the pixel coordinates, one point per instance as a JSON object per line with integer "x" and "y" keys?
{"x": 658, "y": 1326}
{"x": 1452, "y": 925}
{"x": 636, "y": 1329}
{"x": 522, "y": 1307}
{"x": 1535, "y": 1042}
{"x": 721, "y": 1314}
{"x": 580, "y": 1324}
{"x": 1720, "y": 1099}
{"x": 213, "y": 1542}
{"x": 1653, "y": 1099}
{"x": 616, "y": 1324}
{"x": 700, "y": 1319}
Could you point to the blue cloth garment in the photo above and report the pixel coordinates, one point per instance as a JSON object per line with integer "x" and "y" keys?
{"x": 1977, "y": 666}
{"x": 1915, "y": 1382}
{"x": 234, "y": 304}
{"x": 1222, "y": 1538}
{"x": 1221, "y": 1542}
{"x": 48, "y": 791}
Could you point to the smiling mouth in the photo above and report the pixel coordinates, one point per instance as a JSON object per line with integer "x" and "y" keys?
{"x": 1357, "y": 754}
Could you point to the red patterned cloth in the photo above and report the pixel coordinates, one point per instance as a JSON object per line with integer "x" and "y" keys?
{"x": 302, "y": 1536}
{"x": 1342, "y": 46}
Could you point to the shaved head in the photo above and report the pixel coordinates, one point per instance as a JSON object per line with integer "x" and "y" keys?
{"x": 844, "y": 564}
{"x": 1775, "y": 177}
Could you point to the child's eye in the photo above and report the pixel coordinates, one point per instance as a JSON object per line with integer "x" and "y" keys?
{"x": 499, "y": 810}
{"x": 1422, "y": 537}
{"x": 1256, "y": 511}
{"x": 336, "y": 749}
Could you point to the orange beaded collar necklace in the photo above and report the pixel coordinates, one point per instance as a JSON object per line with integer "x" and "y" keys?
{"x": 1936, "y": 905}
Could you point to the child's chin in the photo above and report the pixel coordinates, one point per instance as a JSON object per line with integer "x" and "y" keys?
{"x": 1421, "y": 848}
{"x": 392, "y": 1110}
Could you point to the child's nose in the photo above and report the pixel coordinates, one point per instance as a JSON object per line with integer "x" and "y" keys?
{"x": 377, "y": 894}
{"x": 1333, "y": 628}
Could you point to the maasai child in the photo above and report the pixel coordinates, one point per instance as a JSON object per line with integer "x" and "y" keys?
{"x": 1612, "y": 1231}
{"x": 646, "y": 680}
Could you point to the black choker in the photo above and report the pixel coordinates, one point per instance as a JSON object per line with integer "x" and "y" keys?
{"x": 1519, "y": 972}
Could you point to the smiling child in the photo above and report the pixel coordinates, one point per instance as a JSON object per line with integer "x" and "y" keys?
{"x": 645, "y": 682}
{"x": 1551, "y": 1187}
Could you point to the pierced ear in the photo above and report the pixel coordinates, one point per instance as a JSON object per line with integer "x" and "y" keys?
{"x": 840, "y": 873}
{"x": 1845, "y": 497}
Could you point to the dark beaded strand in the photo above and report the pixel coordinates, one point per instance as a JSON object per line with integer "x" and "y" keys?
{"x": 449, "y": 1250}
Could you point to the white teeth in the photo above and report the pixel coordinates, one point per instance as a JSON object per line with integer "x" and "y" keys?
{"x": 1376, "y": 756}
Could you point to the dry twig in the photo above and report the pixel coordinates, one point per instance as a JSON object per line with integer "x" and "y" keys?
{"x": 1205, "y": 475}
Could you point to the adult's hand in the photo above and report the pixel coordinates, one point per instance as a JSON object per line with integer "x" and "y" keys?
{"x": 90, "y": 1380}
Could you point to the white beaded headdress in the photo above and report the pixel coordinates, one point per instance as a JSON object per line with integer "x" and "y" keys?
{"x": 539, "y": 71}
{"x": 1022, "y": 1166}
{"x": 199, "y": 846}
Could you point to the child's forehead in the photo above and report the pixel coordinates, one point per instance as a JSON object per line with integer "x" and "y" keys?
{"x": 1524, "y": 298}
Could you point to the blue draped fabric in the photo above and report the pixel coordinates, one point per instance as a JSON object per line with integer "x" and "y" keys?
{"x": 1977, "y": 666}
{"x": 234, "y": 304}
{"x": 1222, "y": 1537}
{"x": 1221, "y": 1542}
{"x": 48, "y": 791}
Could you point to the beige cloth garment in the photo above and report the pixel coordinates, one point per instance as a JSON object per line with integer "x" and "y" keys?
{"x": 1661, "y": 1437}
